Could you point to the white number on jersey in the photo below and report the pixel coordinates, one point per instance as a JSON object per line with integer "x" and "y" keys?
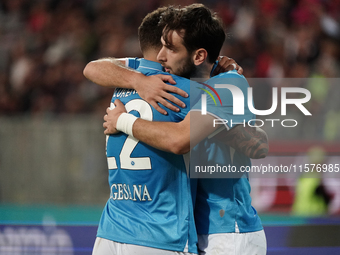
{"x": 126, "y": 162}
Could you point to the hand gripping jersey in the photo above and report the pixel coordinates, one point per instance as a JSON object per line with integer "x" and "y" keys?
{"x": 223, "y": 205}
{"x": 150, "y": 202}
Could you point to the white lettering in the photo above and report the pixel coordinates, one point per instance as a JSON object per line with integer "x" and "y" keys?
{"x": 272, "y": 121}
{"x": 289, "y": 120}
{"x": 122, "y": 191}
{"x": 232, "y": 124}
{"x": 146, "y": 193}
{"x": 260, "y": 123}
{"x": 297, "y": 101}
{"x": 262, "y": 112}
{"x": 137, "y": 192}
{"x": 238, "y": 97}
{"x": 239, "y": 106}
{"x": 219, "y": 121}
{"x": 249, "y": 123}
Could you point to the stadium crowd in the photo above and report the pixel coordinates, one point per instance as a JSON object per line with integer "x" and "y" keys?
{"x": 45, "y": 44}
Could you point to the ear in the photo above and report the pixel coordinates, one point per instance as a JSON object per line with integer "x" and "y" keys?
{"x": 200, "y": 56}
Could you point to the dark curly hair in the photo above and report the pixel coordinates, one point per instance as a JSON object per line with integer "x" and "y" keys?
{"x": 197, "y": 25}
{"x": 150, "y": 30}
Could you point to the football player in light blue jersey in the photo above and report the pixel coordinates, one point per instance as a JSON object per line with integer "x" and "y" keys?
{"x": 150, "y": 202}
{"x": 223, "y": 210}
{"x": 150, "y": 208}
{"x": 231, "y": 213}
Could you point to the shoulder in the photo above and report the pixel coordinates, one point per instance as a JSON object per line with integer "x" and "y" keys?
{"x": 229, "y": 74}
{"x": 179, "y": 79}
{"x": 181, "y": 82}
{"x": 230, "y": 78}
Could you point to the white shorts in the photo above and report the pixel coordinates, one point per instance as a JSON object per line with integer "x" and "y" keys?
{"x": 107, "y": 247}
{"x": 233, "y": 244}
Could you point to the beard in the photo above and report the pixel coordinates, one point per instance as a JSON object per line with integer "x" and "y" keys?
{"x": 187, "y": 70}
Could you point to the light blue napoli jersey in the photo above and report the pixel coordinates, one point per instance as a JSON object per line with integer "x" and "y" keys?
{"x": 150, "y": 203}
{"x": 224, "y": 205}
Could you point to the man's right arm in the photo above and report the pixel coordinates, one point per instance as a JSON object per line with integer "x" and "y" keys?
{"x": 111, "y": 72}
{"x": 178, "y": 137}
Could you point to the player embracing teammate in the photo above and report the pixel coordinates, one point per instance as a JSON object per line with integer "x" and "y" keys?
{"x": 153, "y": 208}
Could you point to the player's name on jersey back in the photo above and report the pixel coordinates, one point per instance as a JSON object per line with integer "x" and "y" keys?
{"x": 119, "y": 92}
{"x": 134, "y": 192}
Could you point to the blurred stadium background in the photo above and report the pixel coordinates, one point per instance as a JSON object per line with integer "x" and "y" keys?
{"x": 53, "y": 172}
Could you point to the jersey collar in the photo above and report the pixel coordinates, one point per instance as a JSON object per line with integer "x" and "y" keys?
{"x": 148, "y": 65}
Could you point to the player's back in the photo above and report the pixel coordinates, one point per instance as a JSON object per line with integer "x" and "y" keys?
{"x": 150, "y": 202}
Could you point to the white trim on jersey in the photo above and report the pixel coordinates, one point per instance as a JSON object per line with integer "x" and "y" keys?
{"x": 149, "y": 68}
{"x": 126, "y": 61}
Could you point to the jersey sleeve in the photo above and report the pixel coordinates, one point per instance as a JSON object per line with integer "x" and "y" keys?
{"x": 132, "y": 62}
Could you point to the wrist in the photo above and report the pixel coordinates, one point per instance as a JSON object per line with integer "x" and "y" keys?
{"x": 125, "y": 123}
{"x": 136, "y": 80}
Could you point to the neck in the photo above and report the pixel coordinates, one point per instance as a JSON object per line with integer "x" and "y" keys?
{"x": 151, "y": 55}
{"x": 203, "y": 71}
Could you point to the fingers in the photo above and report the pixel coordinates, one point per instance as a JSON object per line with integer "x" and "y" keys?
{"x": 172, "y": 99}
{"x": 105, "y": 126}
{"x": 168, "y": 105}
{"x": 220, "y": 65}
{"x": 160, "y": 94}
{"x": 217, "y": 70}
{"x": 175, "y": 90}
{"x": 158, "y": 108}
{"x": 108, "y": 130}
{"x": 232, "y": 65}
{"x": 118, "y": 103}
{"x": 163, "y": 100}
{"x": 240, "y": 70}
{"x": 167, "y": 78}
{"x": 108, "y": 123}
{"x": 227, "y": 64}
